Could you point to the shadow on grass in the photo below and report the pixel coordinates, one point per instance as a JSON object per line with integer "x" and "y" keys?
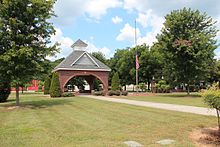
{"x": 37, "y": 104}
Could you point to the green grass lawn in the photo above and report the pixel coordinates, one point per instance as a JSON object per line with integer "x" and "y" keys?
{"x": 42, "y": 121}
{"x": 173, "y": 98}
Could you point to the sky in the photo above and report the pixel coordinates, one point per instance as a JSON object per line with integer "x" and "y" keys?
{"x": 108, "y": 25}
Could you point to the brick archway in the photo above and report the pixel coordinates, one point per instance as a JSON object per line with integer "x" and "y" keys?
{"x": 66, "y": 75}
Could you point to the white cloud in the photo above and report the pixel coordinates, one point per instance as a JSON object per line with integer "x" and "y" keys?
{"x": 66, "y": 42}
{"x": 144, "y": 18}
{"x": 92, "y": 48}
{"x": 161, "y": 8}
{"x": 153, "y": 21}
{"x": 128, "y": 33}
{"x": 116, "y": 20}
{"x": 97, "y": 8}
{"x": 67, "y": 11}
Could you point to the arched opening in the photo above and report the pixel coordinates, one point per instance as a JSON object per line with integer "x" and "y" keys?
{"x": 84, "y": 84}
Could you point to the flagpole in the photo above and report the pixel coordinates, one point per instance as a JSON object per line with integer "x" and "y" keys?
{"x": 135, "y": 40}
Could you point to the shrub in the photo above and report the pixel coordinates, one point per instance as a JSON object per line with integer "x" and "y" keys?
{"x": 212, "y": 99}
{"x": 99, "y": 93}
{"x": 142, "y": 86}
{"x": 117, "y": 93}
{"x": 5, "y": 90}
{"x": 67, "y": 94}
{"x": 55, "y": 90}
{"x": 47, "y": 85}
{"x": 162, "y": 86}
{"x": 125, "y": 93}
{"x": 115, "y": 82}
{"x": 112, "y": 92}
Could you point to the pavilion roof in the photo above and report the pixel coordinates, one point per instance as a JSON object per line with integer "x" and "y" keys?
{"x": 81, "y": 60}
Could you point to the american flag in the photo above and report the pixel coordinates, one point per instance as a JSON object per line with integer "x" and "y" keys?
{"x": 137, "y": 62}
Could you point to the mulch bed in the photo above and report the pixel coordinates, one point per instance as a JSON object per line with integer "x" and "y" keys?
{"x": 206, "y": 137}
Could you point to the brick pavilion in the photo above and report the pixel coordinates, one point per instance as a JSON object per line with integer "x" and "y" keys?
{"x": 83, "y": 64}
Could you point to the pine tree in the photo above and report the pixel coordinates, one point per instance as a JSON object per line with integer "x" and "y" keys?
{"x": 55, "y": 90}
{"x": 115, "y": 82}
{"x": 47, "y": 85}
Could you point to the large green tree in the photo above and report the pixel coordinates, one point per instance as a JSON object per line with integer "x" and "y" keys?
{"x": 123, "y": 63}
{"x": 188, "y": 43}
{"x": 100, "y": 56}
{"x": 151, "y": 62}
{"x": 24, "y": 37}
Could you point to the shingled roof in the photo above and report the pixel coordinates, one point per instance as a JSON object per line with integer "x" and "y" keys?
{"x": 81, "y": 60}
{"x": 79, "y": 43}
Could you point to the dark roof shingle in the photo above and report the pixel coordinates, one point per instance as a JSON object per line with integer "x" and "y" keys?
{"x": 68, "y": 63}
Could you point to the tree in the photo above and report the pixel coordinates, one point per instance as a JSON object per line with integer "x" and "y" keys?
{"x": 214, "y": 75}
{"x": 24, "y": 37}
{"x": 212, "y": 99}
{"x": 47, "y": 85}
{"x": 77, "y": 81}
{"x": 115, "y": 82}
{"x": 123, "y": 63}
{"x": 151, "y": 61}
{"x": 188, "y": 43}
{"x": 55, "y": 90}
{"x": 100, "y": 56}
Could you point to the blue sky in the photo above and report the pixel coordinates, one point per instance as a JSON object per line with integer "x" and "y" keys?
{"x": 107, "y": 25}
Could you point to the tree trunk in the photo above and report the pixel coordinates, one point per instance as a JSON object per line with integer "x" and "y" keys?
{"x": 218, "y": 119}
{"x": 17, "y": 94}
{"x": 148, "y": 84}
{"x": 125, "y": 88}
{"x": 188, "y": 92}
{"x": 22, "y": 89}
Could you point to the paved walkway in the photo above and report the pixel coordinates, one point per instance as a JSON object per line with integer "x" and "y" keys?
{"x": 173, "y": 107}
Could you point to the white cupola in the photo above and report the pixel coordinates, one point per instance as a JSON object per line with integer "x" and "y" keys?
{"x": 79, "y": 45}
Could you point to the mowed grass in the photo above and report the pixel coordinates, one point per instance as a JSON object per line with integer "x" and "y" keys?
{"x": 42, "y": 121}
{"x": 193, "y": 99}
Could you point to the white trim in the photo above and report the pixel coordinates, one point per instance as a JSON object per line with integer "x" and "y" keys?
{"x": 88, "y": 56}
{"x": 82, "y": 69}
{"x": 92, "y": 59}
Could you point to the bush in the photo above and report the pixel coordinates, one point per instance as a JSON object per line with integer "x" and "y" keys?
{"x": 55, "y": 90}
{"x": 117, "y": 93}
{"x": 67, "y": 94}
{"x": 142, "y": 86}
{"x": 5, "y": 90}
{"x": 115, "y": 82}
{"x": 112, "y": 92}
{"x": 125, "y": 93}
{"x": 47, "y": 85}
{"x": 99, "y": 93}
{"x": 212, "y": 99}
{"x": 162, "y": 87}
